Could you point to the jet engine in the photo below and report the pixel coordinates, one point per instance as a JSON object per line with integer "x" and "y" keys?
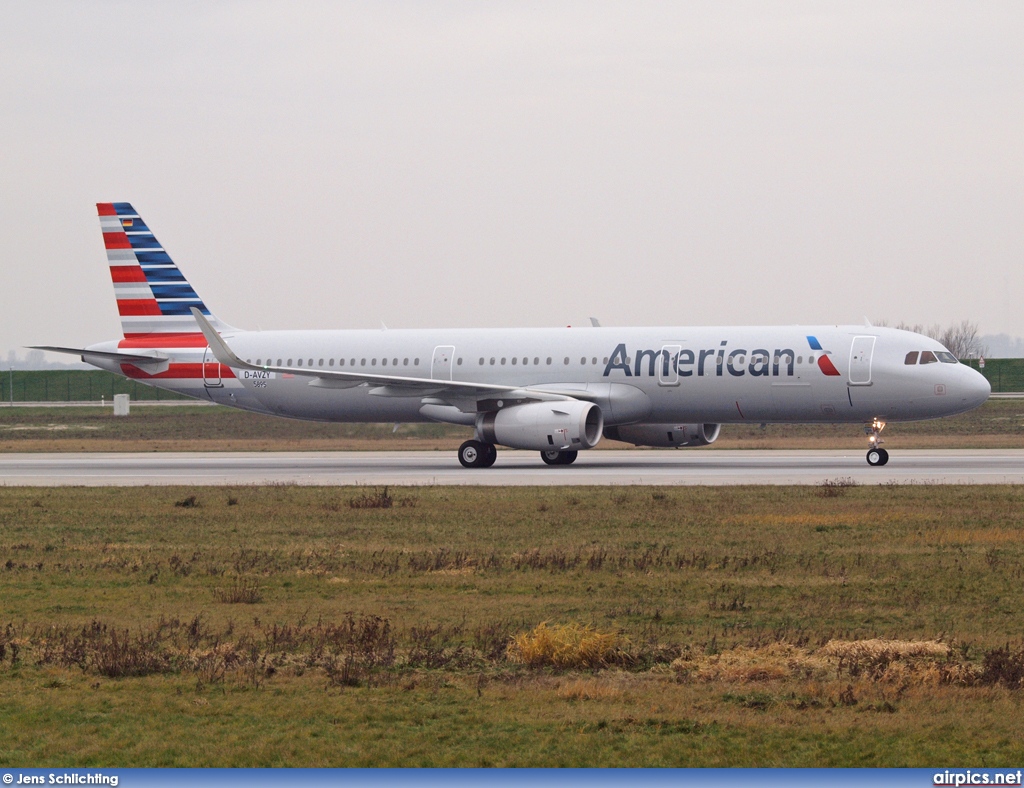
{"x": 563, "y": 425}
{"x": 665, "y": 435}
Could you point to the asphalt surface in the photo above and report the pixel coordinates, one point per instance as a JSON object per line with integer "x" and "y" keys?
{"x": 686, "y": 467}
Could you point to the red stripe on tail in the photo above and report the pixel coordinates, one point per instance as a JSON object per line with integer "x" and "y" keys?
{"x": 105, "y": 209}
{"x": 167, "y": 340}
{"x": 127, "y": 273}
{"x": 132, "y": 307}
{"x": 116, "y": 241}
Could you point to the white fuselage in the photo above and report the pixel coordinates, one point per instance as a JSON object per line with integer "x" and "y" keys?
{"x": 648, "y": 375}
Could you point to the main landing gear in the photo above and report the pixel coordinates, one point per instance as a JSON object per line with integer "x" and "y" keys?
{"x": 476, "y": 454}
{"x": 876, "y": 456}
{"x": 559, "y": 457}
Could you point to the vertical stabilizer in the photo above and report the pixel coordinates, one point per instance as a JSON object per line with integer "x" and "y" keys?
{"x": 153, "y": 297}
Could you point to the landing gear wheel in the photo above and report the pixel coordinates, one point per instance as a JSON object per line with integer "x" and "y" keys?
{"x": 489, "y": 455}
{"x": 472, "y": 454}
{"x": 877, "y": 457}
{"x": 559, "y": 457}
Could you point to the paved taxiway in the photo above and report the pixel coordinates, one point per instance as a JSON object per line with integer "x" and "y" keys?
{"x": 715, "y": 466}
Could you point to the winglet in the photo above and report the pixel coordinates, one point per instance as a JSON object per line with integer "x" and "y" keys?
{"x": 219, "y": 347}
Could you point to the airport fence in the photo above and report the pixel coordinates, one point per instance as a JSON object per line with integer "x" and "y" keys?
{"x": 78, "y": 385}
{"x": 1006, "y": 375}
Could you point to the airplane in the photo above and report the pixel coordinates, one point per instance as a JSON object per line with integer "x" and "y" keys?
{"x": 557, "y": 391}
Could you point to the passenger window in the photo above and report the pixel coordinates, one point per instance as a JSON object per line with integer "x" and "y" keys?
{"x": 373, "y": 362}
{"x": 362, "y": 362}
{"x": 567, "y": 361}
{"x": 583, "y": 362}
{"x": 481, "y": 361}
{"x": 405, "y": 362}
{"x": 279, "y": 362}
{"x": 593, "y": 361}
{"x": 289, "y": 362}
{"x": 311, "y": 362}
{"x": 515, "y": 361}
{"x": 927, "y": 357}
{"x": 459, "y": 362}
{"x": 257, "y": 362}
{"x": 549, "y": 360}
{"x": 394, "y": 362}
{"x": 341, "y": 362}
{"x": 536, "y": 361}
{"x": 503, "y": 362}
{"x": 492, "y": 361}
{"x": 320, "y": 363}
{"x": 911, "y": 358}
{"x": 384, "y": 362}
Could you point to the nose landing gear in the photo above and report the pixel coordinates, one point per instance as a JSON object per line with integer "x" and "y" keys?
{"x": 876, "y": 455}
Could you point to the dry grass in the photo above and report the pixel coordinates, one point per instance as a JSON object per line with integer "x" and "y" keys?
{"x": 902, "y": 662}
{"x": 567, "y": 646}
{"x": 589, "y": 689}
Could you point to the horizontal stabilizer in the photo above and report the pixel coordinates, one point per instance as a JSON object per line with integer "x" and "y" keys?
{"x": 125, "y": 358}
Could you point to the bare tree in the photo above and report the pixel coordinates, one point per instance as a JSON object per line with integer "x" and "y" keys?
{"x": 961, "y": 339}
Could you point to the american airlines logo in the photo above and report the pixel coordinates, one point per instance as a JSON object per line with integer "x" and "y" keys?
{"x": 720, "y": 361}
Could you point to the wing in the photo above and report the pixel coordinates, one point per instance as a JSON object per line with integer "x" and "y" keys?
{"x": 459, "y": 393}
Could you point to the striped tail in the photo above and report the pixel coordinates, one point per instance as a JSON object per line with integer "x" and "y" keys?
{"x": 153, "y": 296}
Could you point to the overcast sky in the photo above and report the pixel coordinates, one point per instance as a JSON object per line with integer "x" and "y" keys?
{"x": 335, "y": 165}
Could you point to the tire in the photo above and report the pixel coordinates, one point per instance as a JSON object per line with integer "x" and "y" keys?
{"x": 877, "y": 457}
{"x": 471, "y": 453}
{"x": 551, "y": 457}
{"x": 885, "y": 456}
{"x": 569, "y": 457}
{"x": 490, "y": 454}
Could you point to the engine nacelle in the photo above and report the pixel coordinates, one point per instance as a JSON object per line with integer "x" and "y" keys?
{"x": 665, "y": 435}
{"x": 569, "y": 425}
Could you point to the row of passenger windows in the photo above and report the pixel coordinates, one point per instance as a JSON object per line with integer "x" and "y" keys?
{"x": 525, "y": 361}
{"x": 929, "y": 357}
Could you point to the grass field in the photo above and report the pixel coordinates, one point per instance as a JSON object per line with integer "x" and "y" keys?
{"x": 830, "y": 625}
{"x": 997, "y": 424}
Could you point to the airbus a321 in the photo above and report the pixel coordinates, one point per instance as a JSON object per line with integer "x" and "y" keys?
{"x": 555, "y": 391}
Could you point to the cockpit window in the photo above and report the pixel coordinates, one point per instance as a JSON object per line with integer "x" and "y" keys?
{"x": 911, "y": 358}
{"x": 946, "y": 357}
{"x": 927, "y": 357}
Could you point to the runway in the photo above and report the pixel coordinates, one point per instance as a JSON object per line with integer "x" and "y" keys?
{"x": 518, "y": 468}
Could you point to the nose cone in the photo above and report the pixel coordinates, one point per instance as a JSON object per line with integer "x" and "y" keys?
{"x": 976, "y": 388}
